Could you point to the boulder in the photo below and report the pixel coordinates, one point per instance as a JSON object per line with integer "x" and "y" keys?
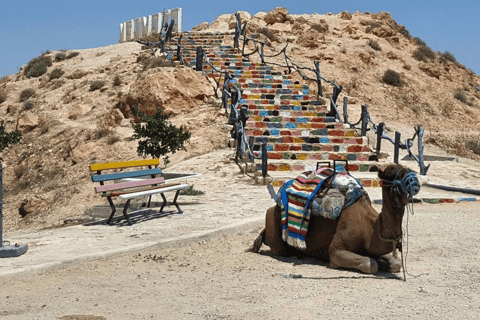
{"x": 27, "y": 121}
{"x": 310, "y": 39}
{"x": 345, "y": 15}
{"x": 320, "y": 26}
{"x": 384, "y": 32}
{"x": 277, "y": 15}
{"x": 30, "y": 205}
{"x": 221, "y": 22}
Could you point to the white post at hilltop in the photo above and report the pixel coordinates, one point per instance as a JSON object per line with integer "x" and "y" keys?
{"x": 157, "y": 23}
{"x": 166, "y": 17}
{"x": 131, "y": 30}
{"x": 122, "y": 32}
{"x": 136, "y": 31}
{"x": 177, "y": 17}
{"x": 148, "y": 29}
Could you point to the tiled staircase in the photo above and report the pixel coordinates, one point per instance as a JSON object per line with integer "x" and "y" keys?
{"x": 285, "y": 115}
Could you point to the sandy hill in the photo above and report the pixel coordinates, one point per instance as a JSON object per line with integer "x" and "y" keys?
{"x": 76, "y": 115}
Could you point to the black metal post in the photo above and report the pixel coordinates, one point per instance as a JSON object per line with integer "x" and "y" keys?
{"x": 380, "y": 130}
{"x": 364, "y": 120}
{"x": 199, "y": 61}
{"x": 345, "y": 110}
{"x": 264, "y": 160}
{"x": 319, "y": 80}
{"x": 243, "y": 115}
{"x": 261, "y": 52}
{"x": 397, "y": 147}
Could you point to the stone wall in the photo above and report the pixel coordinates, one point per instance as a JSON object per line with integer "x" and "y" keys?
{"x": 152, "y": 24}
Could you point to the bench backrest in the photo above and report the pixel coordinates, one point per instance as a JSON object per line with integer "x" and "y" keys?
{"x": 149, "y": 174}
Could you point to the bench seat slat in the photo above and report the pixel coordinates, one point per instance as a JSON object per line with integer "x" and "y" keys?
{"x": 131, "y": 184}
{"x": 120, "y": 192}
{"x": 150, "y": 192}
{"x": 125, "y": 174}
{"x": 123, "y": 164}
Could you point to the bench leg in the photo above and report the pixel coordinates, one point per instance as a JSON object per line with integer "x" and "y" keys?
{"x": 113, "y": 210}
{"x": 175, "y": 201}
{"x": 164, "y": 202}
{"x": 125, "y": 212}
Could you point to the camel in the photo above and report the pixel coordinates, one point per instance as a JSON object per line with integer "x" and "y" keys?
{"x": 361, "y": 238}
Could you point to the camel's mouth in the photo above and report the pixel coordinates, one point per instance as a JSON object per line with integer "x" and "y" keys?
{"x": 408, "y": 185}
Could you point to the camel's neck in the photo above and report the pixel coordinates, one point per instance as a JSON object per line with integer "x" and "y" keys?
{"x": 388, "y": 225}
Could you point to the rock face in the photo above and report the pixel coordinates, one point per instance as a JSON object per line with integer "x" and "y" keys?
{"x": 277, "y": 15}
{"x": 175, "y": 90}
{"x": 345, "y": 15}
{"x": 244, "y": 16}
{"x": 201, "y": 26}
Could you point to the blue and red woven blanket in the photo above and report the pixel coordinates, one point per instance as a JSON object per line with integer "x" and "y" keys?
{"x": 296, "y": 197}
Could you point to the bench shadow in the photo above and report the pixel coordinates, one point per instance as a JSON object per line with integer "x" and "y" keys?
{"x": 140, "y": 214}
{"x": 299, "y": 260}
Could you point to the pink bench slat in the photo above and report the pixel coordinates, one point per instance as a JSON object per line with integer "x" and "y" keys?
{"x": 132, "y": 184}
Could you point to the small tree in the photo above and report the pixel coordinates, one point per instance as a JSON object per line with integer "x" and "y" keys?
{"x": 7, "y": 138}
{"x": 158, "y": 136}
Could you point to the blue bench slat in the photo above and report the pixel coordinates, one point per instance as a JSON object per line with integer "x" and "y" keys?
{"x": 126, "y": 174}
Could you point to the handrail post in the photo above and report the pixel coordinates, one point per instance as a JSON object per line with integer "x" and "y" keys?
{"x": 345, "y": 110}
{"x": 199, "y": 60}
{"x": 397, "y": 147}
{"x": 380, "y": 130}
{"x": 319, "y": 80}
{"x": 264, "y": 160}
{"x": 423, "y": 169}
{"x": 364, "y": 120}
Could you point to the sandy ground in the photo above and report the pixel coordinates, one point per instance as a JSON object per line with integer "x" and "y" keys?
{"x": 213, "y": 278}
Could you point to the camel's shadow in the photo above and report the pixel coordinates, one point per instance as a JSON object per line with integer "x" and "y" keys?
{"x": 345, "y": 273}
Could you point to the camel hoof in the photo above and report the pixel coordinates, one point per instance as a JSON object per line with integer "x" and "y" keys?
{"x": 368, "y": 265}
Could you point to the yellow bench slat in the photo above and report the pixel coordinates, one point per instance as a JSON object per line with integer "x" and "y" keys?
{"x": 123, "y": 164}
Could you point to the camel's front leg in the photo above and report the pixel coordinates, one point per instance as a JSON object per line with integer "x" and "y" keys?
{"x": 350, "y": 260}
{"x": 390, "y": 263}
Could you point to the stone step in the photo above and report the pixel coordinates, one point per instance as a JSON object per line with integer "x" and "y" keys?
{"x": 310, "y": 111}
{"x": 335, "y": 142}
{"x": 296, "y": 167}
{"x": 291, "y": 128}
{"x": 315, "y": 148}
{"x": 319, "y": 156}
{"x": 273, "y": 91}
{"x": 367, "y": 179}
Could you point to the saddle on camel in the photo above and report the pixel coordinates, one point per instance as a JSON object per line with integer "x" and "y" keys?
{"x": 328, "y": 215}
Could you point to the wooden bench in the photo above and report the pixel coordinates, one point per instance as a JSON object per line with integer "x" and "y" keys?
{"x": 151, "y": 182}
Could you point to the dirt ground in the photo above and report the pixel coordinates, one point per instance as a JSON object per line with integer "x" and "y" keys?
{"x": 213, "y": 278}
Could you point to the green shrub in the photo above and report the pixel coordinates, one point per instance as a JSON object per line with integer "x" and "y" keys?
{"x": 374, "y": 45}
{"x": 38, "y": 66}
{"x": 3, "y": 96}
{"x": 158, "y": 136}
{"x": 28, "y": 105}
{"x": 474, "y": 146}
{"x": 72, "y": 54}
{"x": 448, "y": 56}
{"x": 26, "y": 94}
{"x": 190, "y": 191}
{"x": 117, "y": 81}
{"x": 7, "y": 138}
{"x": 56, "y": 73}
{"x": 392, "y": 78}
{"x": 97, "y": 84}
{"x": 460, "y": 95}
{"x": 419, "y": 42}
{"x": 403, "y": 31}
{"x": 113, "y": 139}
{"x": 60, "y": 56}
{"x": 424, "y": 53}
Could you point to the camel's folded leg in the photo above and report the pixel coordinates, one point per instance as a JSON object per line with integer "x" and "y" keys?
{"x": 389, "y": 263}
{"x": 257, "y": 244}
{"x": 350, "y": 260}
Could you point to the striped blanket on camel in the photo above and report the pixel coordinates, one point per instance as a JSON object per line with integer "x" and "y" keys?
{"x": 296, "y": 197}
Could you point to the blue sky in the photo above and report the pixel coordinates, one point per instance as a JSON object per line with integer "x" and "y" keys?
{"x": 28, "y": 27}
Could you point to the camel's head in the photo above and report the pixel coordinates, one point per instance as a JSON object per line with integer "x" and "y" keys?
{"x": 401, "y": 180}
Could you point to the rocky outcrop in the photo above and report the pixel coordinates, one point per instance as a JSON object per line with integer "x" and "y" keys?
{"x": 277, "y": 15}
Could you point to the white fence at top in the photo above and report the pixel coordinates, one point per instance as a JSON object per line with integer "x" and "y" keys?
{"x": 153, "y": 24}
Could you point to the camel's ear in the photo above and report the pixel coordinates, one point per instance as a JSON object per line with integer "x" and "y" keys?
{"x": 381, "y": 172}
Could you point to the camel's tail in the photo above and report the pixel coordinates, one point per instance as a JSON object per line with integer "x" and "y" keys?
{"x": 255, "y": 247}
